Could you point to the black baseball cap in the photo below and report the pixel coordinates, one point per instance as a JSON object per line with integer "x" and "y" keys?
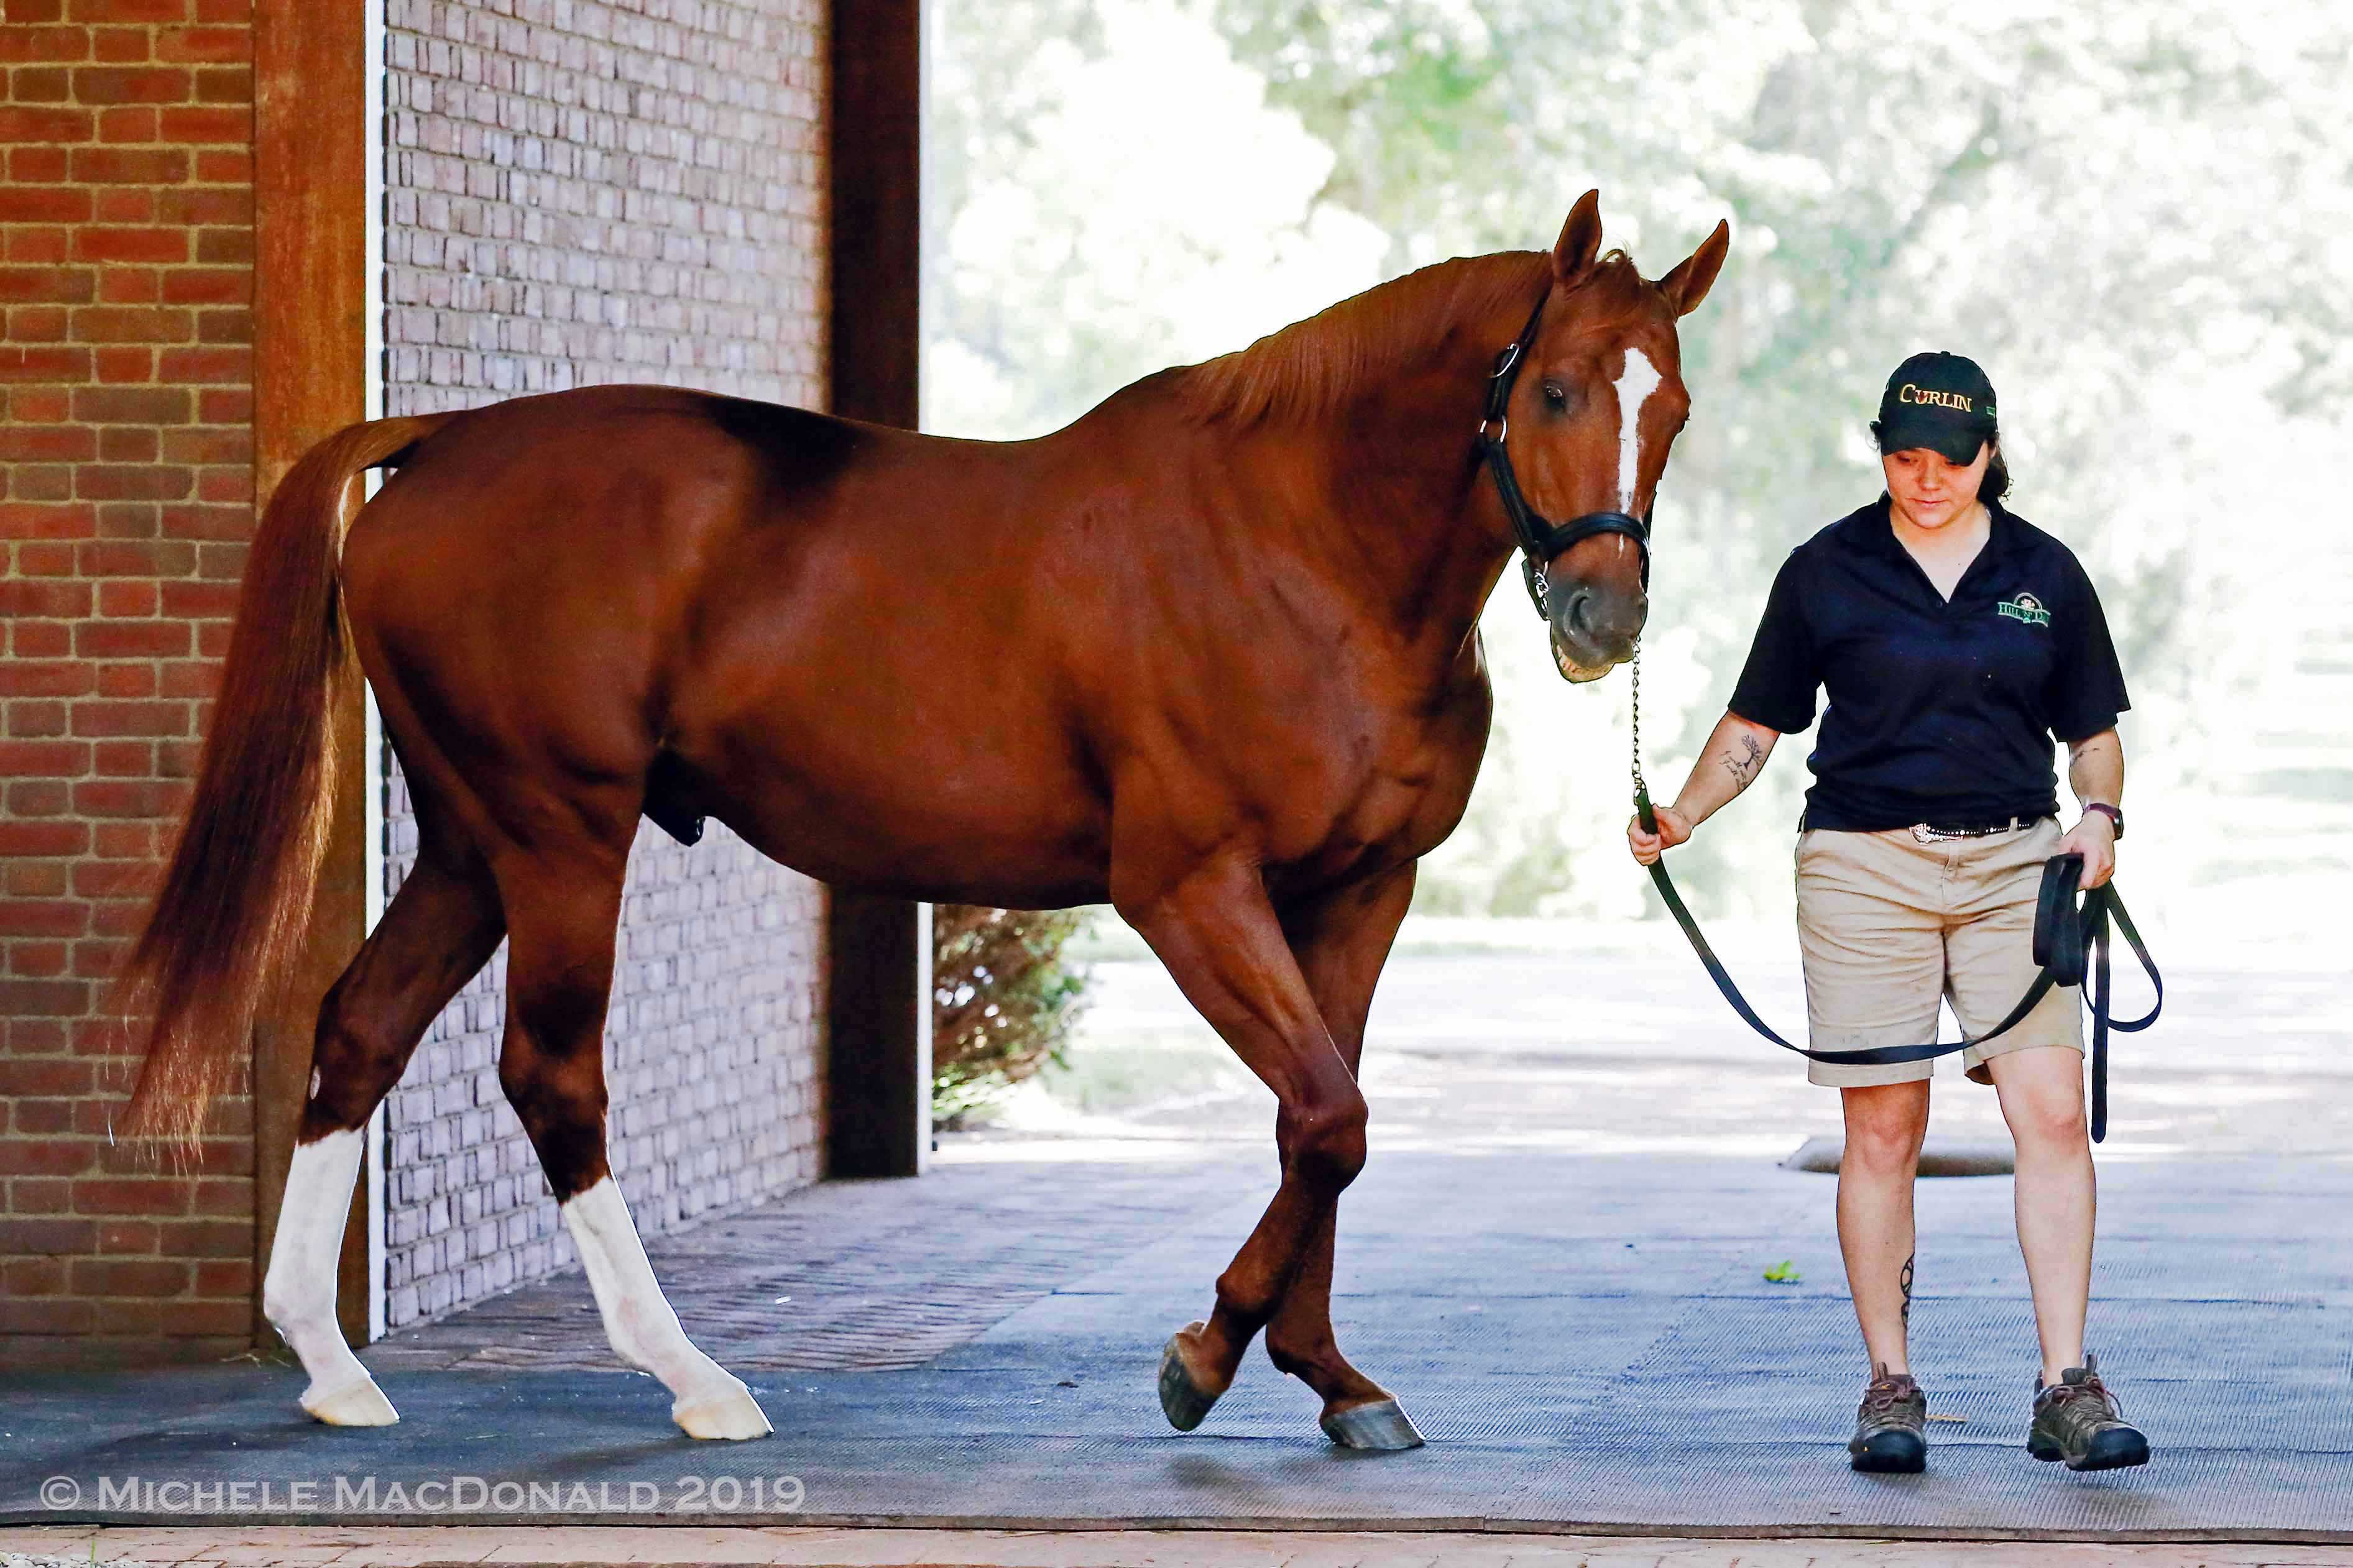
{"x": 1940, "y": 401}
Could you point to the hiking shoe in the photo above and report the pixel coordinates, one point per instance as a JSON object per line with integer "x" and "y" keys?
{"x": 1890, "y": 1430}
{"x": 2078, "y": 1420}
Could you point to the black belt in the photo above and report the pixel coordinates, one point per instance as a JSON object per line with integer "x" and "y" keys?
{"x": 1930, "y": 832}
{"x": 2063, "y": 936}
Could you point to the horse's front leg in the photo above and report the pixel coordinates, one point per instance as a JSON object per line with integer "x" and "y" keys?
{"x": 1342, "y": 940}
{"x": 1211, "y": 924}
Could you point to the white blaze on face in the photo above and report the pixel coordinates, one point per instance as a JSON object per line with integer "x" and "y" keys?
{"x": 1634, "y": 386}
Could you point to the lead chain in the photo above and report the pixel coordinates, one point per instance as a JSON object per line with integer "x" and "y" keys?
{"x": 1641, "y": 789}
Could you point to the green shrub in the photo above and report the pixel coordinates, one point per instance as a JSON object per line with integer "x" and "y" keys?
{"x": 1002, "y": 1002}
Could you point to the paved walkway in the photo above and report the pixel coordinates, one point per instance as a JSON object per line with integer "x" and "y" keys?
{"x": 856, "y": 1275}
{"x": 1588, "y": 1340}
{"x": 1612, "y": 1041}
{"x": 1556, "y": 1258}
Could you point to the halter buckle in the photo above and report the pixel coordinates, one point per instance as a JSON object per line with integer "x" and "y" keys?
{"x": 1539, "y": 585}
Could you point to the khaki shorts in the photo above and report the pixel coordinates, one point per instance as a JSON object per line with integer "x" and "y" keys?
{"x": 1890, "y": 925}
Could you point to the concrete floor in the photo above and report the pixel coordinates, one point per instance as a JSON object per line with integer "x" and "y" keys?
{"x": 1612, "y": 1041}
{"x": 1556, "y": 1259}
{"x": 1588, "y": 1341}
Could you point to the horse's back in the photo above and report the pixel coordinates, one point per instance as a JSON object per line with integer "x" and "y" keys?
{"x": 519, "y": 588}
{"x": 573, "y": 468}
{"x": 890, "y": 660}
{"x": 815, "y": 617}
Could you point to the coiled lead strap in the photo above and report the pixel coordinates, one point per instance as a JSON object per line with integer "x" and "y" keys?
{"x": 2063, "y": 935}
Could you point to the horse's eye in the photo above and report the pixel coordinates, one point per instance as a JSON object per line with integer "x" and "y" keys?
{"x": 1554, "y": 395}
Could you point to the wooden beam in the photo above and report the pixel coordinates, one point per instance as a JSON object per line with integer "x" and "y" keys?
{"x": 878, "y": 1035}
{"x": 310, "y": 379}
{"x": 879, "y": 1004}
{"x": 876, "y": 168}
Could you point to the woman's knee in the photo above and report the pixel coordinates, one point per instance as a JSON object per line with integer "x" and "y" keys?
{"x": 2050, "y": 1120}
{"x": 1885, "y": 1125}
{"x": 2042, "y": 1098}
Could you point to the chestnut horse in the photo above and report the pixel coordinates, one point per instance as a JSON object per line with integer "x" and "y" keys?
{"x": 1210, "y": 653}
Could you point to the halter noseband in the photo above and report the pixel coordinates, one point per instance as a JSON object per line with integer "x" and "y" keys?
{"x": 1541, "y": 539}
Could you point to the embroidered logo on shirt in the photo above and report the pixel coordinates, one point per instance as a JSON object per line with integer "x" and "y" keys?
{"x": 2025, "y": 607}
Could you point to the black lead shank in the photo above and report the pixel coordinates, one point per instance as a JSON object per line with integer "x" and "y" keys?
{"x": 2063, "y": 936}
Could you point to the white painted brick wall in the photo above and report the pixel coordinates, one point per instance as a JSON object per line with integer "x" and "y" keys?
{"x": 580, "y": 192}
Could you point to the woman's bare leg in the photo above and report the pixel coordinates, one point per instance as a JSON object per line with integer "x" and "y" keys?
{"x": 1885, "y": 1126}
{"x": 2042, "y": 1091}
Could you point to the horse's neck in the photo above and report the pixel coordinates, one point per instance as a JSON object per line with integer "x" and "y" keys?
{"x": 1406, "y": 511}
{"x": 1352, "y": 434}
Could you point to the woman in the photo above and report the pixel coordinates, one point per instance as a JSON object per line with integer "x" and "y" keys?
{"x": 1954, "y": 640}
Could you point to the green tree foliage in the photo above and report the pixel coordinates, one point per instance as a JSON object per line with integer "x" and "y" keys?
{"x": 1003, "y": 1002}
{"x": 2135, "y": 214}
{"x": 1073, "y": 244}
{"x": 2130, "y": 214}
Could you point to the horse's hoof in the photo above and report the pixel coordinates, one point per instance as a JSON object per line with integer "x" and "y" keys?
{"x": 360, "y": 1404}
{"x": 733, "y": 1414}
{"x": 1181, "y": 1399}
{"x": 1382, "y": 1425}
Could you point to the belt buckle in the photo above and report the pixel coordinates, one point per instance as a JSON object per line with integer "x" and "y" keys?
{"x": 1924, "y": 834}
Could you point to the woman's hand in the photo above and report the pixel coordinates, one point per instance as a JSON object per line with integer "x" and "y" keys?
{"x": 1674, "y": 828}
{"x": 2094, "y": 838}
{"x": 1735, "y": 754}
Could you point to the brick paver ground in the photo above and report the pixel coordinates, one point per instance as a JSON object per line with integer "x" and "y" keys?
{"x": 858, "y": 1275}
{"x": 975, "y": 1347}
{"x": 871, "y": 1275}
{"x": 306, "y": 1548}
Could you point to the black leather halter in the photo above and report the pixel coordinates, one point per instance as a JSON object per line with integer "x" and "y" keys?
{"x": 1541, "y": 539}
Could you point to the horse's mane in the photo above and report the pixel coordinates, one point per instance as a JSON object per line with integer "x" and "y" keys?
{"x": 1312, "y": 367}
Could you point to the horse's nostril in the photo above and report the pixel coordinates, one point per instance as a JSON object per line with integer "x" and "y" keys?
{"x": 1581, "y": 623}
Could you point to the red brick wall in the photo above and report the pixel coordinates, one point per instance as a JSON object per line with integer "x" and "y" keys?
{"x": 577, "y": 192}
{"x": 126, "y": 488}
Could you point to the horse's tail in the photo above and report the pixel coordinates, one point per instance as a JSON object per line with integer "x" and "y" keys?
{"x": 230, "y": 915}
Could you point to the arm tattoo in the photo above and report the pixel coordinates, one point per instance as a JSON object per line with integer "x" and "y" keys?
{"x": 1907, "y": 1282}
{"x": 1744, "y": 768}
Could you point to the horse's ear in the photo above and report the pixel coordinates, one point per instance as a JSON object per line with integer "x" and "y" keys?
{"x": 1581, "y": 239}
{"x": 1688, "y": 285}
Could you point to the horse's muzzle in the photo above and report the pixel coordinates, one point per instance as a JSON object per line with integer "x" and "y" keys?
{"x": 1594, "y": 628}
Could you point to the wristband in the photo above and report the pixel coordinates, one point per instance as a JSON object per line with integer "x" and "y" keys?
{"x": 2115, "y": 818}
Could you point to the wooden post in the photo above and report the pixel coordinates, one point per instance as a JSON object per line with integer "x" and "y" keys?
{"x": 310, "y": 302}
{"x": 879, "y": 1004}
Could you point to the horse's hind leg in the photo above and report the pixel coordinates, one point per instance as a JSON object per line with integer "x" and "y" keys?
{"x": 442, "y": 926}
{"x": 562, "y": 912}
{"x": 1342, "y": 941}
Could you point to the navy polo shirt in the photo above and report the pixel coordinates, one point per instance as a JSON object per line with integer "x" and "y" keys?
{"x": 1939, "y": 710}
